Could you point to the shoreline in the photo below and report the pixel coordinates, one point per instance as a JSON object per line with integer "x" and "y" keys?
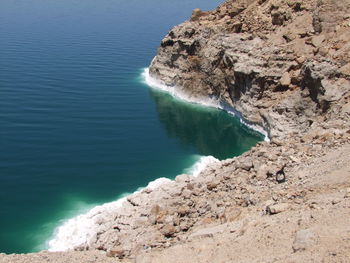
{"x": 282, "y": 65}
{"x": 207, "y": 102}
{"x": 79, "y": 230}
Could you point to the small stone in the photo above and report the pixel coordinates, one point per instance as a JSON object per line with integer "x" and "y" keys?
{"x": 277, "y": 18}
{"x": 168, "y": 230}
{"x": 317, "y": 40}
{"x": 285, "y": 79}
{"x": 335, "y": 201}
{"x": 262, "y": 172}
{"x": 347, "y": 193}
{"x": 155, "y": 209}
{"x": 212, "y": 185}
{"x": 116, "y": 252}
{"x": 301, "y": 59}
{"x": 278, "y": 208}
{"x": 303, "y": 240}
{"x": 245, "y": 164}
{"x": 183, "y": 210}
{"x": 323, "y": 51}
{"x": 182, "y": 178}
{"x": 197, "y": 13}
{"x": 186, "y": 193}
{"x": 294, "y": 159}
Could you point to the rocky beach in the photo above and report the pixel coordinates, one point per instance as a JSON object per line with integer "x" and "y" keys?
{"x": 284, "y": 67}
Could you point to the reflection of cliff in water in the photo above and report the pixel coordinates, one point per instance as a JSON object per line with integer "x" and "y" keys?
{"x": 210, "y": 131}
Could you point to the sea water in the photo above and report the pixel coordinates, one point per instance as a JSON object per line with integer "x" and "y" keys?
{"x": 78, "y": 125}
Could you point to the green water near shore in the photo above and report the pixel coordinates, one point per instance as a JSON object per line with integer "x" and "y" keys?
{"x": 78, "y": 127}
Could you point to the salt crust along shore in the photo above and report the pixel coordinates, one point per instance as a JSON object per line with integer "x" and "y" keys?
{"x": 286, "y": 66}
{"x": 80, "y": 230}
{"x": 205, "y": 101}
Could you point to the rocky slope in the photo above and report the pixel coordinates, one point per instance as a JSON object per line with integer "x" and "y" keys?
{"x": 284, "y": 65}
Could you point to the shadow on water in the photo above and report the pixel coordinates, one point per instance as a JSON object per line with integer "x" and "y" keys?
{"x": 210, "y": 131}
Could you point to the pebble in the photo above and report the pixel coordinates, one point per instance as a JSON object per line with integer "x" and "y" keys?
{"x": 278, "y": 208}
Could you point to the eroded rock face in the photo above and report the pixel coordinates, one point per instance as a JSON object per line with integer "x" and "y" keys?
{"x": 280, "y": 69}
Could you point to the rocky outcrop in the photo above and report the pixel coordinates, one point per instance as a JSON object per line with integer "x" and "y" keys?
{"x": 282, "y": 64}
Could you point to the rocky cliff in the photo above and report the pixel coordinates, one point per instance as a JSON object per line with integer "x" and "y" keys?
{"x": 284, "y": 65}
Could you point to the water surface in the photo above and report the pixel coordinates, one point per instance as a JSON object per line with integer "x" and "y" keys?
{"x": 77, "y": 125}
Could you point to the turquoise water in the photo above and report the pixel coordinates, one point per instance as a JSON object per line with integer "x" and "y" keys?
{"x": 77, "y": 125}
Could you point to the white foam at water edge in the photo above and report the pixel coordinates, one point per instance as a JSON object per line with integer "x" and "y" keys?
{"x": 175, "y": 92}
{"x": 78, "y": 230}
{"x": 200, "y": 165}
{"x": 81, "y": 229}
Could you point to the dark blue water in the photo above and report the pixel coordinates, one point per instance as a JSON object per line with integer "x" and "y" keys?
{"x": 77, "y": 125}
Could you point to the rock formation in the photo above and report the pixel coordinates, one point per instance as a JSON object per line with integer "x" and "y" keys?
{"x": 284, "y": 65}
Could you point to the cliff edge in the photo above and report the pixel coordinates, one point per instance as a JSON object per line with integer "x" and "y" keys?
{"x": 283, "y": 65}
